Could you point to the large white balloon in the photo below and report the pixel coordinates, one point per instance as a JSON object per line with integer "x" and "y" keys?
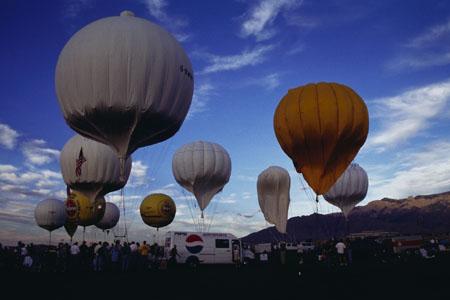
{"x": 50, "y": 214}
{"x": 349, "y": 189}
{"x": 273, "y": 187}
{"x": 202, "y": 168}
{"x": 91, "y": 168}
{"x": 110, "y": 218}
{"x": 125, "y": 82}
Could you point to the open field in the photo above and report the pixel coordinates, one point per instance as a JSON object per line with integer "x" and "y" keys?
{"x": 425, "y": 279}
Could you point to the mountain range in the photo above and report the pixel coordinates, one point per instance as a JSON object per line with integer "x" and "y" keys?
{"x": 423, "y": 214}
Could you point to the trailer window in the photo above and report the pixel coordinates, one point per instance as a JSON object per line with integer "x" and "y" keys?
{"x": 222, "y": 243}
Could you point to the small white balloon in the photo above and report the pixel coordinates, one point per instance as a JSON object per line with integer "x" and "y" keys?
{"x": 273, "y": 187}
{"x": 50, "y": 214}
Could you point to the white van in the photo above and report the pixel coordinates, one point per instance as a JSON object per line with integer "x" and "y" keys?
{"x": 197, "y": 248}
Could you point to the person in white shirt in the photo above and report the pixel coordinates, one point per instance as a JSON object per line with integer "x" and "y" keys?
{"x": 340, "y": 248}
{"x": 74, "y": 250}
{"x": 74, "y": 257}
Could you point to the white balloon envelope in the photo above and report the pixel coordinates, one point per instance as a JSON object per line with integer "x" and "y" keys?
{"x": 273, "y": 187}
{"x": 92, "y": 168}
{"x": 110, "y": 218}
{"x": 349, "y": 189}
{"x": 125, "y": 82}
{"x": 202, "y": 168}
{"x": 50, "y": 214}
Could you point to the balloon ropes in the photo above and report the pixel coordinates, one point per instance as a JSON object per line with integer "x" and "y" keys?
{"x": 203, "y": 169}
{"x": 147, "y": 165}
{"x": 50, "y": 215}
{"x": 124, "y": 82}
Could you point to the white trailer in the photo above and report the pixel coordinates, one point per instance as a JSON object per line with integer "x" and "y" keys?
{"x": 197, "y": 248}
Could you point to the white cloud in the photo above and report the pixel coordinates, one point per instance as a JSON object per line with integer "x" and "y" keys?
{"x": 431, "y": 35}
{"x": 261, "y": 18}
{"x": 36, "y": 153}
{"x": 271, "y": 81}
{"x": 296, "y": 49}
{"x": 73, "y": 8}
{"x": 117, "y": 198}
{"x": 403, "y": 116}
{"x": 420, "y": 61}
{"x": 234, "y": 62}
{"x": 138, "y": 176}
{"x": 12, "y": 174}
{"x": 7, "y": 168}
{"x": 202, "y": 95}
{"x": 246, "y": 178}
{"x": 429, "y": 49}
{"x": 246, "y": 195}
{"x": 423, "y": 172}
{"x": 158, "y": 10}
{"x": 8, "y": 137}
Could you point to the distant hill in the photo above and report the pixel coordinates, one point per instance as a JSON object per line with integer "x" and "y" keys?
{"x": 420, "y": 214}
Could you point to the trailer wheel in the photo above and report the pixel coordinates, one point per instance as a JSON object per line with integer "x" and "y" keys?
{"x": 192, "y": 262}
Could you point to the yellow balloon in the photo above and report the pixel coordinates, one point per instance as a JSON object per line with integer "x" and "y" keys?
{"x": 157, "y": 210}
{"x": 321, "y": 127}
{"x": 80, "y": 210}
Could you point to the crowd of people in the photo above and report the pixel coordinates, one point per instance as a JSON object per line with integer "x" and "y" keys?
{"x": 97, "y": 257}
{"x": 345, "y": 252}
{"x": 134, "y": 256}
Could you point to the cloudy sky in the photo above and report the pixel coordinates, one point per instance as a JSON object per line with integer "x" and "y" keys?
{"x": 245, "y": 56}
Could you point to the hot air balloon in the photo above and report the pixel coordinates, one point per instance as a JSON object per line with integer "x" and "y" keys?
{"x": 157, "y": 210}
{"x": 91, "y": 168}
{"x": 273, "y": 196}
{"x": 50, "y": 214}
{"x": 321, "y": 127}
{"x": 349, "y": 189}
{"x": 71, "y": 228}
{"x": 80, "y": 210}
{"x": 202, "y": 168}
{"x": 110, "y": 218}
{"x": 125, "y": 82}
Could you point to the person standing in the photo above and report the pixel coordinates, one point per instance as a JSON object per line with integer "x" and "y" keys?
{"x": 144, "y": 250}
{"x": 340, "y": 249}
{"x": 74, "y": 253}
{"x": 173, "y": 257}
{"x": 115, "y": 256}
{"x": 300, "y": 253}
{"x": 84, "y": 256}
{"x": 134, "y": 247}
{"x": 125, "y": 253}
{"x": 237, "y": 255}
